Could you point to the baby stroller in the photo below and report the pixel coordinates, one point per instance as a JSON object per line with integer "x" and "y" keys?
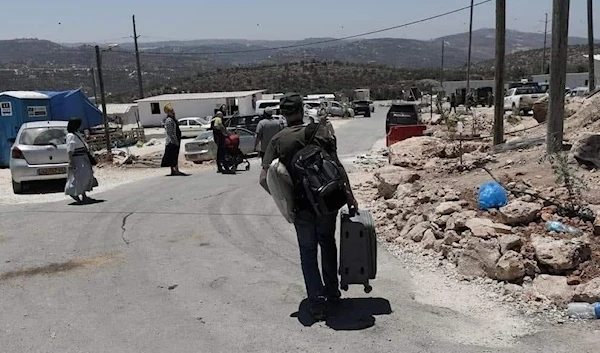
{"x": 233, "y": 155}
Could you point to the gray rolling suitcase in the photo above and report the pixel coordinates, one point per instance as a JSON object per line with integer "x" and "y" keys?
{"x": 358, "y": 249}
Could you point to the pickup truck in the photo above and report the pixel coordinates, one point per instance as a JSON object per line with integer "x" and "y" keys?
{"x": 521, "y": 99}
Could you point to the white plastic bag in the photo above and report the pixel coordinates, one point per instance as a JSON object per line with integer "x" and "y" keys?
{"x": 281, "y": 188}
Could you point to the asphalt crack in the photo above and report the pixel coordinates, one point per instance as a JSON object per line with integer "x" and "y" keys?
{"x": 123, "y": 228}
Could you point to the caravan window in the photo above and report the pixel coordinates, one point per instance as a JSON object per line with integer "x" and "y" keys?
{"x": 155, "y": 108}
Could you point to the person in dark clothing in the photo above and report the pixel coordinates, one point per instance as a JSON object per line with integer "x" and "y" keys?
{"x": 312, "y": 231}
{"x": 219, "y": 134}
{"x": 172, "y": 142}
{"x": 453, "y": 102}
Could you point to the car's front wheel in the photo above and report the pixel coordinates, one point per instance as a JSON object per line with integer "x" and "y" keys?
{"x": 17, "y": 187}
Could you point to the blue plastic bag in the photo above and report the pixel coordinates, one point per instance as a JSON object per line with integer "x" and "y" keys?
{"x": 492, "y": 195}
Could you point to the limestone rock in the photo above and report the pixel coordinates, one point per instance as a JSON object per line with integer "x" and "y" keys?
{"x": 510, "y": 267}
{"x": 588, "y": 292}
{"x": 448, "y": 208}
{"x": 510, "y": 242}
{"x": 560, "y": 254}
{"x": 458, "y": 221}
{"x": 520, "y": 212}
{"x": 555, "y": 288}
{"x": 479, "y": 258}
{"x": 428, "y": 240}
{"x": 587, "y": 150}
{"x": 390, "y": 177}
{"x": 451, "y": 237}
{"x": 486, "y": 228}
{"x": 417, "y": 232}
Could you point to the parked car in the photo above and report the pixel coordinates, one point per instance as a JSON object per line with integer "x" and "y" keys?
{"x": 192, "y": 126}
{"x": 311, "y": 109}
{"x": 39, "y": 153}
{"x": 402, "y": 113}
{"x": 201, "y": 148}
{"x": 521, "y": 99}
{"x": 261, "y": 105}
{"x": 362, "y": 108}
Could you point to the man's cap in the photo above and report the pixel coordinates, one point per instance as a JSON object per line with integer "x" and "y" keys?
{"x": 291, "y": 103}
{"x": 268, "y": 111}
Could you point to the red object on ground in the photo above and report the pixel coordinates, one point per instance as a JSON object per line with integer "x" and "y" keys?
{"x": 398, "y": 133}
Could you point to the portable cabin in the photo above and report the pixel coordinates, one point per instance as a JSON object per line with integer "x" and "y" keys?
{"x": 16, "y": 108}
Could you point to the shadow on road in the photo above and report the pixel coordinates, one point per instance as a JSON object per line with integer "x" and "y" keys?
{"x": 350, "y": 315}
{"x": 88, "y": 202}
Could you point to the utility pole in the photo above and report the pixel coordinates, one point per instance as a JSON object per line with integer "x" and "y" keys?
{"x": 545, "y": 41}
{"x": 137, "y": 59}
{"x": 94, "y": 85}
{"x": 469, "y": 55}
{"x": 558, "y": 75}
{"x": 103, "y": 96}
{"x": 442, "y": 68}
{"x": 592, "y": 79}
{"x": 499, "y": 67}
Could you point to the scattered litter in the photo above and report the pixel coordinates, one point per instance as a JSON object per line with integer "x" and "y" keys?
{"x": 492, "y": 195}
{"x": 559, "y": 227}
{"x": 152, "y": 142}
{"x": 584, "y": 311}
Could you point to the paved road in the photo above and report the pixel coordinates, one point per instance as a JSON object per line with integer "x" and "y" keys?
{"x": 205, "y": 264}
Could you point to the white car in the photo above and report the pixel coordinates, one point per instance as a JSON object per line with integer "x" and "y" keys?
{"x": 39, "y": 153}
{"x": 311, "y": 109}
{"x": 261, "y": 105}
{"x": 192, "y": 126}
{"x": 203, "y": 147}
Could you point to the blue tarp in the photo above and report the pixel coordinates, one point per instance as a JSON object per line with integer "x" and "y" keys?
{"x": 65, "y": 105}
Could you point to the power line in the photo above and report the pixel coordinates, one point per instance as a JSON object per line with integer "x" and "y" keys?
{"x": 319, "y": 42}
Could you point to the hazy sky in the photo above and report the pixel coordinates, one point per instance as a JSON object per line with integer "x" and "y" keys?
{"x": 110, "y": 21}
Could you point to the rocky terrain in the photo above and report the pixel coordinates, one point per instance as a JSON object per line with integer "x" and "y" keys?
{"x": 425, "y": 201}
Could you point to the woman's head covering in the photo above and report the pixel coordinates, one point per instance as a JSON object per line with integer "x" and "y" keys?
{"x": 168, "y": 108}
{"x": 73, "y": 125}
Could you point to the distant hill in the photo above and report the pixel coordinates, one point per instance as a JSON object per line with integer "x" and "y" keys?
{"x": 385, "y": 82}
{"x": 524, "y": 63}
{"x": 41, "y": 64}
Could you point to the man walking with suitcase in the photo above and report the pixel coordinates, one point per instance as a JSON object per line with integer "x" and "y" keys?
{"x": 313, "y": 230}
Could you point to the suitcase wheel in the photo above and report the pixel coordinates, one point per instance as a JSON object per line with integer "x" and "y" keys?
{"x": 344, "y": 287}
{"x": 368, "y": 288}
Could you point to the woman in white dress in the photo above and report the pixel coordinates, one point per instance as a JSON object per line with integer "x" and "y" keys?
{"x": 80, "y": 175}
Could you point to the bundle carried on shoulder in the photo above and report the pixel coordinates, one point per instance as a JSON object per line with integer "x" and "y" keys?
{"x": 281, "y": 189}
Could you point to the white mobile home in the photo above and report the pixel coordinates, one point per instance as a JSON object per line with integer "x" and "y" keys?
{"x": 125, "y": 113}
{"x": 196, "y": 105}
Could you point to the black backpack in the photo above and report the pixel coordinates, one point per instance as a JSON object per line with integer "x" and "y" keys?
{"x": 318, "y": 177}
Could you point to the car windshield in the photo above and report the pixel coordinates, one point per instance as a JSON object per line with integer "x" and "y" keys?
{"x": 361, "y": 103}
{"x": 527, "y": 90}
{"x": 313, "y": 104}
{"x": 204, "y": 136}
{"x": 403, "y": 108}
{"x": 42, "y": 136}
{"x": 267, "y": 104}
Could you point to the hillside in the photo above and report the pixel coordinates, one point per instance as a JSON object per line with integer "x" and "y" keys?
{"x": 525, "y": 63}
{"x": 307, "y": 77}
{"x": 38, "y": 64}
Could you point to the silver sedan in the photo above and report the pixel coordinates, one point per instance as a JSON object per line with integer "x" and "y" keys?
{"x": 39, "y": 153}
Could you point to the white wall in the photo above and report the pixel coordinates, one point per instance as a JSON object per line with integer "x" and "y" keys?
{"x": 573, "y": 79}
{"x": 245, "y": 105}
{"x": 187, "y": 108}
